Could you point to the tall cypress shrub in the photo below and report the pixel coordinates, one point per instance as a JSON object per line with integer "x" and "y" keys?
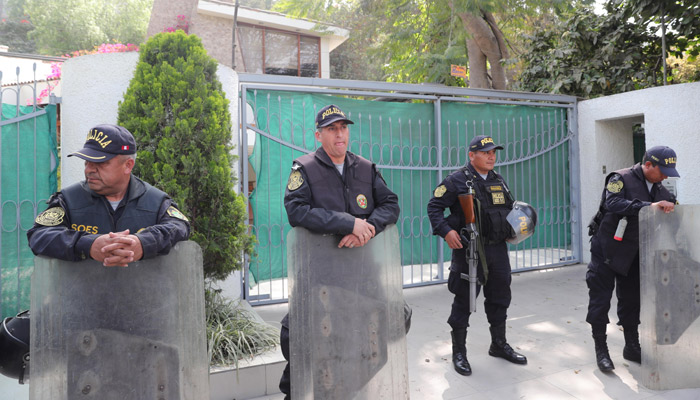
{"x": 177, "y": 111}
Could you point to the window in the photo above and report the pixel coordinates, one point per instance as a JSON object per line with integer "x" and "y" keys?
{"x": 276, "y": 52}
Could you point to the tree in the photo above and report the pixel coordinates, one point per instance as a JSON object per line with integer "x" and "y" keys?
{"x": 589, "y": 55}
{"x": 417, "y": 40}
{"x": 15, "y": 27}
{"x": 70, "y": 25}
{"x": 179, "y": 116}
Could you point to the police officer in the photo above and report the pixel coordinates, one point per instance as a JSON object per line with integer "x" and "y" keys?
{"x": 112, "y": 216}
{"x": 495, "y": 202}
{"x": 615, "y": 254}
{"x": 334, "y": 191}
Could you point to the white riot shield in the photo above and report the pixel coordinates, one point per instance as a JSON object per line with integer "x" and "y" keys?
{"x": 670, "y": 297}
{"x": 119, "y": 333}
{"x": 346, "y": 318}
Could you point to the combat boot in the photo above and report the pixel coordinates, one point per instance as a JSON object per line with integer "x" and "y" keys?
{"x": 602, "y": 356}
{"x": 632, "y": 350}
{"x": 501, "y": 348}
{"x": 459, "y": 352}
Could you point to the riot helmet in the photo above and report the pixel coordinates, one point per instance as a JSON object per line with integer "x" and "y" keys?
{"x": 522, "y": 219}
{"x": 14, "y": 346}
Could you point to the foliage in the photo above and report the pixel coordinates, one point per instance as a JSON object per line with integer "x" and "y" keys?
{"x": 68, "y": 25}
{"x": 416, "y": 41}
{"x": 13, "y": 32}
{"x": 233, "y": 332}
{"x": 589, "y": 55}
{"x": 682, "y": 18}
{"x": 182, "y": 24}
{"x": 177, "y": 111}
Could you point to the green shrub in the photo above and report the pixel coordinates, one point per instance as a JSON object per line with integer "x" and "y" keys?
{"x": 233, "y": 333}
{"x": 177, "y": 111}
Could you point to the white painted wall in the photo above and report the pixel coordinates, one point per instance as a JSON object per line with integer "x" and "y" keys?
{"x": 93, "y": 86}
{"x": 671, "y": 118}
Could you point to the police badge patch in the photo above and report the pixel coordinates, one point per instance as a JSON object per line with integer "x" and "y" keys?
{"x": 295, "y": 180}
{"x": 361, "y": 201}
{"x": 439, "y": 191}
{"x": 498, "y": 198}
{"x": 51, "y": 217}
{"x": 175, "y": 213}
{"x": 615, "y": 187}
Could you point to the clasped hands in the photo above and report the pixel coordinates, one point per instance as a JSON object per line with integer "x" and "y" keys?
{"x": 362, "y": 232}
{"x": 116, "y": 249}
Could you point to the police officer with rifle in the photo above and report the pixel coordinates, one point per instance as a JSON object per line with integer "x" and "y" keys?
{"x": 483, "y": 215}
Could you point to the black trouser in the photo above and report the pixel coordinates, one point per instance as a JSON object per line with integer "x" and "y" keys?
{"x": 497, "y": 293}
{"x": 601, "y": 281}
{"x": 285, "y": 381}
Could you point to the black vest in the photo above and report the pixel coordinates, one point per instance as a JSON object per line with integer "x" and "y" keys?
{"x": 88, "y": 211}
{"x": 619, "y": 255}
{"x": 496, "y": 202}
{"x": 329, "y": 191}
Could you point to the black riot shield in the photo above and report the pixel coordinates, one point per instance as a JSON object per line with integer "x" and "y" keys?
{"x": 669, "y": 251}
{"x": 346, "y": 318}
{"x": 119, "y": 333}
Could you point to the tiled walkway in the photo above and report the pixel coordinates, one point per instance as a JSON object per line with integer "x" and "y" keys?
{"x": 545, "y": 322}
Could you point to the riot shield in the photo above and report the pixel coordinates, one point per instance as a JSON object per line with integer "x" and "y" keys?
{"x": 119, "y": 333}
{"x": 346, "y": 318}
{"x": 669, "y": 254}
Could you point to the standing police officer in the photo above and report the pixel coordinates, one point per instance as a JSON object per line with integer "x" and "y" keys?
{"x": 495, "y": 202}
{"x": 615, "y": 253}
{"x": 112, "y": 216}
{"x": 334, "y": 191}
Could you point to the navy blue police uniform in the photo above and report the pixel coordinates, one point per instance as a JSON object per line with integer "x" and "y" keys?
{"x": 321, "y": 199}
{"x": 613, "y": 261}
{"x": 493, "y": 202}
{"x": 496, "y": 202}
{"x": 76, "y": 216}
{"x": 616, "y": 262}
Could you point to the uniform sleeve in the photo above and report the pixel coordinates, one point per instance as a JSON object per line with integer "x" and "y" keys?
{"x": 52, "y": 236}
{"x": 297, "y": 202}
{"x": 444, "y": 196}
{"x": 615, "y": 200}
{"x": 386, "y": 203}
{"x": 172, "y": 227}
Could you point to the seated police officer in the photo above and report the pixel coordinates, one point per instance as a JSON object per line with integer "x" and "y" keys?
{"x": 112, "y": 216}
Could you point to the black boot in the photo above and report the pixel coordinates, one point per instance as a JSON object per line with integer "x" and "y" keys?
{"x": 501, "y": 348}
{"x": 459, "y": 352}
{"x": 602, "y": 356}
{"x": 632, "y": 350}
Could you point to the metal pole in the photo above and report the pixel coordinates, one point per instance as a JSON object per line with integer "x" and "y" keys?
{"x": 663, "y": 43}
{"x": 233, "y": 37}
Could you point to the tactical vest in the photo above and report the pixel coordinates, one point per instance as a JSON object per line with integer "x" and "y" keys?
{"x": 354, "y": 196}
{"x": 89, "y": 213}
{"x": 495, "y": 203}
{"x": 620, "y": 254}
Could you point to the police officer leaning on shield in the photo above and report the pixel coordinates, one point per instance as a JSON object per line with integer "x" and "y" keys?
{"x": 334, "y": 191}
{"x": 112, "y": 217}
{"x": 493, "y": 203}
{"x": 615, "y": 248}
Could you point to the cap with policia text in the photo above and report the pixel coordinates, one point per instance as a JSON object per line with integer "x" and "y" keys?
{"x": 665, "y": 158}
{"x": 483, "y": 143}
{"x": 106, "y": 141}
{"x": 330, "y": 114}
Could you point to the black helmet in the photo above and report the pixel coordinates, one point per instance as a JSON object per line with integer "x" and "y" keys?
{"x": 522, "y": 219}
{"x": 14, "y": 346}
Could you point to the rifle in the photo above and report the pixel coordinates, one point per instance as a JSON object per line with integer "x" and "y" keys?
{"x": 468, "y": 234}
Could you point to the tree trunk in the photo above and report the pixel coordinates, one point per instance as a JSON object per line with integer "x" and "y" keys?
{"x": 485, "y": 50}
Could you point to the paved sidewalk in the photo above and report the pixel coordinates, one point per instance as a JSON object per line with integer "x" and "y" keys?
{"x": 545, "y": 322}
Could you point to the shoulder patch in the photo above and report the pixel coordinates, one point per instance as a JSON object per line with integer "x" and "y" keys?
{"x": 295, "y": 180}
{"x": 51, "y": 217}
{"x": 175, "y": 213}
{"x": 615, "y": 187}
{"x": 440, "y": 191}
